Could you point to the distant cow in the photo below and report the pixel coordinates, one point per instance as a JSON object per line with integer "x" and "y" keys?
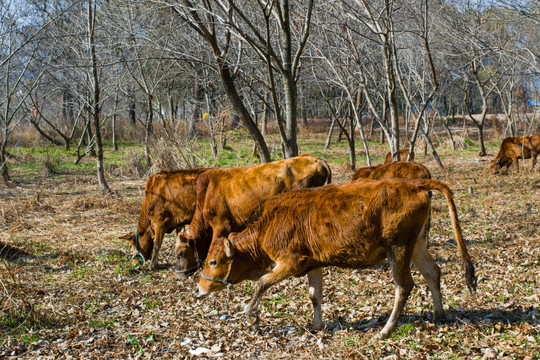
{"x": 399, "y": 170}
{"x": 227, "y": 200}
{"x": 357, "y": 224}
{"x": 514, "y": 148}
{"x": 403, "y": 153}
{"x": 169, "y": 204}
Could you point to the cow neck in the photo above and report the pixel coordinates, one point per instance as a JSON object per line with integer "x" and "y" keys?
{"x": 144, "y": 221}
{"x": 247, "y": 246}
{"x": 202, "y": 243}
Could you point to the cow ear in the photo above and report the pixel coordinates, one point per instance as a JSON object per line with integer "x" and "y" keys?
{"x": 184, "y": 237}
{"x": 229, "y": 248}
{"x": 130, "y": 236}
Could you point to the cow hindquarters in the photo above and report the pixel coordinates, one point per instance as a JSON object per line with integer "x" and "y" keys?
{"x": 315, "y": 280}
{"x": 430, "y": 271}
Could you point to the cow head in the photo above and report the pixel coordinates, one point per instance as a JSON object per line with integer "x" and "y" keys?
{"x": 217, "y": 269}
{"x": 141, "y": 243}
{"x": 495, "y": 165}
{"x": 186, "y": 256}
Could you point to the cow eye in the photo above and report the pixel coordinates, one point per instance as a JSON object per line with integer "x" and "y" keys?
{"x": 213, "y": 263}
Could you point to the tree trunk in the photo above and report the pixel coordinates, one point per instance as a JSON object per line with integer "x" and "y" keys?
{"x": 241, "y": 110}
{"x": 228, "y": 83}
{"x": 304, "y": 105}
{"x": 264, "y": 115}
{"x": 115, "y": 144}
{"x": 429, "y": 145}
{"x": 352, "y": 145}
{"x": 450, "y": 136}
{"x": 132, "y": 110}
{"x": 196, "y": 108}
{"x": 46, "y": 136}
{"x": 172, "y": 112}
{"x": 480, "y": 127}
{"x": 329, "y": 136}
{"x": 3, "y": 160}
{"x": 291, "y": 145}
{"x": 289, "y": 84}
{"x": 96, "y": 106}
{"x": 148, "y": 130}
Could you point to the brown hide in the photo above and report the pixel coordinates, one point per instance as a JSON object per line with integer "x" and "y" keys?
{"x": 352, "y": 225}
{"x": 514, "y": 148}
{"x": 399, "y": 170}
{"x": 403, "y": 153}
{"x": 228, "y": 199}
{"x": 169, "y": 204}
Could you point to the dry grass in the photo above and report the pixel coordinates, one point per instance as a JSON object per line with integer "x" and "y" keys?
{"x": 68, "y": 289}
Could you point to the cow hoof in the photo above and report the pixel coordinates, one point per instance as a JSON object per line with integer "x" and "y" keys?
{"x": 384, "y": 334}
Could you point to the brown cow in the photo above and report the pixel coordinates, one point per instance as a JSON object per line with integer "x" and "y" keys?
{"x": 399, "y": 170}
{"x": 352, "y": 225}
{"x": 228, "y": 199}
{"x": 403, "y": 153}
{"x": 169, "y": 204}
{"x": 514, "y": 148}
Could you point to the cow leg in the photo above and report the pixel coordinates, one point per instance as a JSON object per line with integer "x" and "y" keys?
{"x": 431, "y": 272}
{"x": 315, "y": 280}
{"x": 401, "y": 272}
{"x": 278, "y": 273}
{"x": 159, "y": 235}
{"x": 533, "y": 161}
{"x": 517, "y": 164}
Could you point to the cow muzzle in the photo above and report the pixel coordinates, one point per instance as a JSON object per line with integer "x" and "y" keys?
{"x": 200, "y": 293}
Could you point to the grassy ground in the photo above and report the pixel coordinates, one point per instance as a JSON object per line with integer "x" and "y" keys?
{"x": 68, "y": 290}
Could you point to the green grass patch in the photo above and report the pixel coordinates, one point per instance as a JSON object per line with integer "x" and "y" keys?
{"x": 151, "y": 303}
{"x": 354, "y": 340}
{"x": 28, "y": 339}
{"x": 102, "y": 323}
{"x": 135, "y": 343}
{"x": 403, "y": 331}
{"x": 83, "y": 272}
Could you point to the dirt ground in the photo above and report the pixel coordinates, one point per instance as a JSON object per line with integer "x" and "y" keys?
{"x": 68, "y": 290}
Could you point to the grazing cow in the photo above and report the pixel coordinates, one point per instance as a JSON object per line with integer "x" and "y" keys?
{"x": 228, "y": 199}
{"x": 399, "y": 170}
{"x": 169, "y": 204}
{"x": 403, "y": 153}
{"x": 352, "y": 225}
{"x": 514, "y": 148}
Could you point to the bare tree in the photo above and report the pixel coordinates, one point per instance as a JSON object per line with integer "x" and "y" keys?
{"x": 95, "y": 102}
{"x": 208, "y": 25}
{"x": 17, "y": 76}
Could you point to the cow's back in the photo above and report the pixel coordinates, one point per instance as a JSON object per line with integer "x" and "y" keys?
{"x": 399, "y": 170}
{"x": 354, "y": 215}
{"x": 233, "y": 194}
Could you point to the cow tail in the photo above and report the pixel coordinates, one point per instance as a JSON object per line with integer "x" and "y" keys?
{"x": 468, "y": 266}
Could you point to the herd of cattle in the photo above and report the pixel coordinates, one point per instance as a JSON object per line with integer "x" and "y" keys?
{"x": 277, "y": 220}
